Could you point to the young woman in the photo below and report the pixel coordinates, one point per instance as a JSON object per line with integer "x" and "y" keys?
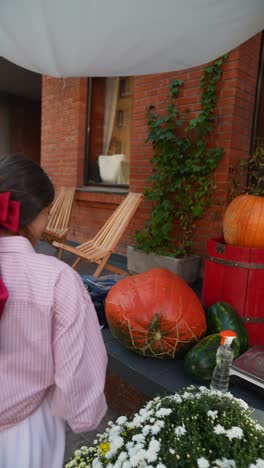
{"x": 52, "y": 356}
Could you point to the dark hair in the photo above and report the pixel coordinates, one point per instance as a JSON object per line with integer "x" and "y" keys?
{"x": 28, "y": 184}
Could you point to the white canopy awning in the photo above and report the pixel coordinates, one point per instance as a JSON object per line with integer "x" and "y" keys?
{"x": 123, "y": 37}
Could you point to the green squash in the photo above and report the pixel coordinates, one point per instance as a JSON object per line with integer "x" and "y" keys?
{"x": 200, "y": 361}
{"x": 222, "y": 316}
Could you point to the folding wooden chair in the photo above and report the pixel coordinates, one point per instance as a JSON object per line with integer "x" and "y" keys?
{"x": 100, "y": 248}
{"x": 58, "y": 225}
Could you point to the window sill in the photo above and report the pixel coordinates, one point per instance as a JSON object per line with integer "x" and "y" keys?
{"x": 98, "y": 196}
{"x": 101, "y": 189}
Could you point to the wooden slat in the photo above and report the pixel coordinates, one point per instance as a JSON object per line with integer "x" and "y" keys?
{"x": 58, "y": 225}
{"x": 96, "y": 254}
{"x": 99, "y": 249}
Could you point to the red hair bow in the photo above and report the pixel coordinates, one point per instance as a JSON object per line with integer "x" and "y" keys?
{"x": 3, "y": 296}
{"x": 9, "y": 219}
{"x": 9, "y": 212}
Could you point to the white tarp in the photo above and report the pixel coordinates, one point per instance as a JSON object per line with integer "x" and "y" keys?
{"x": 123, "y": 37}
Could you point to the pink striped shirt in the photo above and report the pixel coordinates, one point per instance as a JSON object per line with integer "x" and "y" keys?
{"x": 50, "y": 340}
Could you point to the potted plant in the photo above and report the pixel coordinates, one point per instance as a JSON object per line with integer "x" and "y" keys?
{"x": 181, "y": 185}
{"x": 196, "y": 427}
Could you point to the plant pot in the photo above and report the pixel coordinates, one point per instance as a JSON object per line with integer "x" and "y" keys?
{"x": 187, "y": 267}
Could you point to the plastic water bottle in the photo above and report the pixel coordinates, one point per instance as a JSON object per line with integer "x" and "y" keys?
{"x": 224, "y": 359}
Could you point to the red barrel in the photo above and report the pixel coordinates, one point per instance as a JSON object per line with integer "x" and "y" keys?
{"x": 236, "y": 275}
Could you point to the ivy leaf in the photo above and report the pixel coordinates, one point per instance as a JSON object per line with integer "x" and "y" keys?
{"x": 197, "y": 211}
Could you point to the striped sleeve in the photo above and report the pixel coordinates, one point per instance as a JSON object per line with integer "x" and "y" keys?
{"x": 79, "y": 356}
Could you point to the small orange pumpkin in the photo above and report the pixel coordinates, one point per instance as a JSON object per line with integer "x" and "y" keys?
{"x": 244, "y": 222}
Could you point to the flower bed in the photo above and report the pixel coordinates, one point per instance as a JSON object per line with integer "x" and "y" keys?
{"x": 196, "y": 427}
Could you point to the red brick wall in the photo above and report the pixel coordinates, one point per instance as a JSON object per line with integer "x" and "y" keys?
{"x": 122, "y": 397}
{"x": 63, "y": 135}
{"x": 233, "y": 130}
{"x": 259, "y": 131}
{"x": 25, "y": 122}
{"x": 63, "y": 129}
{"x": 90, "y": 212}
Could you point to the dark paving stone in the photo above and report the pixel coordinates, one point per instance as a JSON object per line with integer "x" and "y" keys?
{"x": 75, "y": 441}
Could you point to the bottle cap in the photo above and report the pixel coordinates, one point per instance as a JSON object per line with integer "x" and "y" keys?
{"x": 227, "y": 337}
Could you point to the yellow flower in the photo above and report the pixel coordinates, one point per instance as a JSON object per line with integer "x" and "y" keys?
{"x": 104, "y": 447}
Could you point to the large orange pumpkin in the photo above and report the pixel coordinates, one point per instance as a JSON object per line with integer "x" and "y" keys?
{"x": 244, "y": 222}
{"x": 155, "y": 314}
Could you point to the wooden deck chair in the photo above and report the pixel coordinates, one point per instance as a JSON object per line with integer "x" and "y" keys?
{"x": 100, "y": 248}
{"x": 58, "y": 225}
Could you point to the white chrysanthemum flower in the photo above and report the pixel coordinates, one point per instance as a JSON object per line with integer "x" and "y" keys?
{"x": 177, "y": 398}
{"x": 188, "y": 396}
{"x": 203, "y": 389}
{"x": 114, "y": 432}
{"x": 160, "y": 465}
{"x": 259, "y": 464}
{"x": 77, "y": 453}
{"x": 180, "y": 430}
{"x": 139, "y": 459}
{"x": 97, "y": 464}
{"x": 156, "y": 428}
{"x": 129, "y": 444}
{"x": 146, "y": 415}
{"x": 136, "y": 448}
{"x": 122, "y": 457}
{"x": 234, "y": 433}
{"x": 242, "y": 403}
{"x": 218, "y": 429}
{"x": 259, "y": 427}
{"x": 138, "y": 438}
{"x": 218, "y": 394}
{"x": 153, "y": 449}
{"x": 116, "y": 443}
{"x": 146, "y": 429}
{"x": 72, "y": 464}
{"x": 163, "y": 412}
{"x": 145, "y": 410}
{"x": 172, "y": 451}
{"x": 121, "y": 420}
{"x": 225, "y": 463}
{"x": 126, "y": 464}
{"x": 137, "y": 421}
{"x": 212, "y": 414}
{"x": 203, "y": 463}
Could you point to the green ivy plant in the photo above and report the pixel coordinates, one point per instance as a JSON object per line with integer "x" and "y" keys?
{"x": 181, "y": 184}
{"x": 256, "y": 171}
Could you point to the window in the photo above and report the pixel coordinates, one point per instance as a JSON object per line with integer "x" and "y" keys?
{"x": 109, "y": 130}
